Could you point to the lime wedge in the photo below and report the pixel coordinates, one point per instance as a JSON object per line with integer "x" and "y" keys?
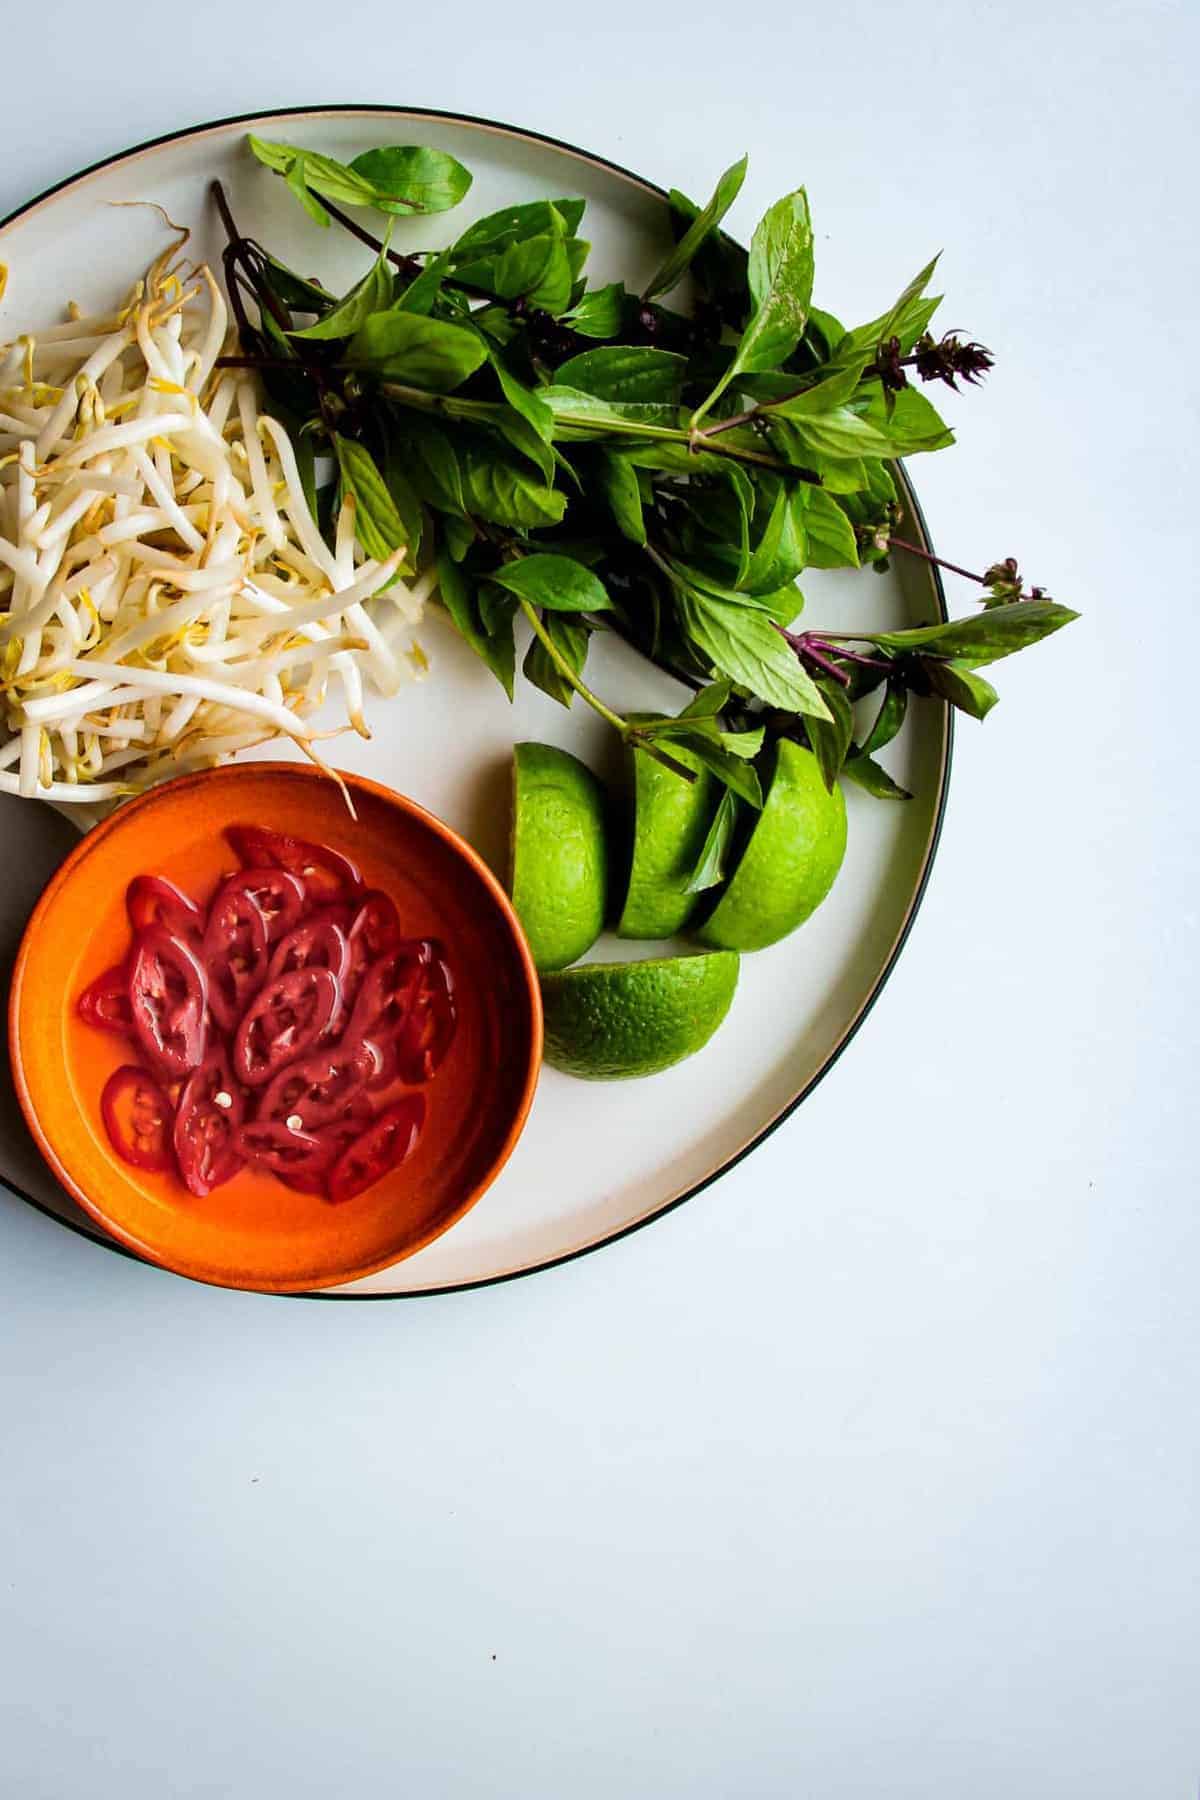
{"x": 559, "y": 881}
{"x": 790, "y": 862}
{"x": 671, "y": 821}
{"x": 614, "y": 1021}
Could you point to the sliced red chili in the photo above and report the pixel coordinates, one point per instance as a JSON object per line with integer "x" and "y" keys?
{"x": 388, "y": 991}
{"x": 137, "y": 1118}
{"x": 234, "y": 950}
{"x": 279, "y": 896}
{"x": 276, "y": 1146}
{"x": 319, "y": 1088}
{"x": 381, "y": 1148}
{"x": 428, "y": 1031}
{"x": 168, "y": 997}
{"x": 326, "y": 874}
{"x": 207, "y": 1120}
{"x": 104, "y": 1003}
{"x": 374, "y": 930}
{"x": 334, "y": 1138}
{"x": 153, "y": 900}
{"x": 315, "y": 944}
{"x": 282, "y": 1022}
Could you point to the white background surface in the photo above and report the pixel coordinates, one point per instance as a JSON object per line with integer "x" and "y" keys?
{"x": 872, "y": 1471}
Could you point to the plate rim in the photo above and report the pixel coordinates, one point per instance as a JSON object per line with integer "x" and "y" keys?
{"x": 497, "y": 126}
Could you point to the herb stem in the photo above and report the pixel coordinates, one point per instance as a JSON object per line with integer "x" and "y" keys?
{"x": 568, "y": 673}
{"x": 928, "y": 556}
{"x": 408, "y": 265}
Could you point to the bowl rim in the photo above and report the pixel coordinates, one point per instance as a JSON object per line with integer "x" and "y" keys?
{"x": 231, "y": 774}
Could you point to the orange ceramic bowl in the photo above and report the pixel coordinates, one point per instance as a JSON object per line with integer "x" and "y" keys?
{"x": 254, "y": 1232}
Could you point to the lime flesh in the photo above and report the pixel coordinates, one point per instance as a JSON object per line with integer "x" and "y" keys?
{"x": 559, "y": 881}
{"x": 671, "y": 820}
{"x": 790, "y": 862}
{"x": 615, "y": 1021}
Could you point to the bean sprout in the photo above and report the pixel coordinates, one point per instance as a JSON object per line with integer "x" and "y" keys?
{"x": 167, "y": 598}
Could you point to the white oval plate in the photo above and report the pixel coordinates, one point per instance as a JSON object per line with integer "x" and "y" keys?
{"x": 597, "y": 1160}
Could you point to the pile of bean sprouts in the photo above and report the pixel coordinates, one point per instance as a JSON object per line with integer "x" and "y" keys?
{"x": 166, "y": 596}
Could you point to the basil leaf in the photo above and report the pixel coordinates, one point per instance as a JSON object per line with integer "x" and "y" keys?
{"x": 586, "y": 414}
{"x": 458, "y": 534}
{"x": 829, "y": 536}
{"x": 425, "y": 353}
{"x": 524, "y": 400}
{"x": 321, "y": 174}
{"x": 624, "y": 372}
{"x": 742, "y": 643}
{"x": 512, "y": 225}
{"x": 719, "y": 266}
{"x": 907, "y": 319}
{"x": 411, "y": 178}
{"x": 292, "y": 289}
{"x": 618, "y": 482}
{"x": 537, "y": 270}
{"x": 782, "y": 550}
{"x": 498, "y": 489}
{"x": 370, "y": 295}
{"x": 712, "y": 862}
{"x": 558, "y": 583}
{"x": 517, "y": 431}
{"x": 984, "y": 637}
{"x": 957, "y": 682}
{"x": 432, "y": 465}
{"x": 830, "y": 738}
{"x": 693, "y": 239}
{"x": 378, "y": 524}
{"x": 888, "y": 719}
{"x": 710, "y": 702}
{"x": 308, "y": 200}
{"x": 911, "y": 425}
{"x": 738, "y": 776}
{"x": 598, "y": 313}
{"x": 423, "y": 290}
{"x": 866, "y": 773}
{"x": 457, "y": 595}
{"x": 839, "y": 432}
{"x": 778, "y": 391}
{"x": 781, "y": 274}
{"x": 571, "y": 640}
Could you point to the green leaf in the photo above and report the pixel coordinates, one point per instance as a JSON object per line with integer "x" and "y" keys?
{"x": 589, "y": 416}
{"x": 513, "y": 224}
{"x": 779, "y": 391}
{"x": 624, "y": 372}
{"x": 693, "y": 239}
{"x": 830, "y": 738}
{"x": 958, "y": 683}
{"x": 984, "y": 637}
{"x": 866, "y": 773}
{"x": 781, "y": 275}
{"x": 498, "y": 488}
{"x": 907, "y": 319}
{"x": 411, "y": 178}
{"x": 571, "y": 640}
{"x": 425, "y": 353}
{"x": 321, "y": 174}
{"x": 742, "y": 643}
{"x": 457, "y": 595}
{"x": 370, "y": 295}
{"x": 829, "y": 535}
{"x": 738, "y": 775}
{"x": 912, "y": 424}
{"x": 558, "y": 583}
{"x": 292, "y": 289}
{"x": 888, "y": 719}
{"x": 378, "y": 523}
{"x": 598, "y": 313}
{"x": 458, "y": 534}
{"x": 839, "y": 432}
{"x": 524, "y": 400}
{"x": 432, "y": 464}
{"x": 782, "y": 550}
{"x": 712, "y": 862}
{"x": 618, "y": 482}
{"x": 710, "y": 702}
{"x": 304, "y": 194}
{"x": 537, "y": 270}
{"x": 423, "y": 290}
{"x": 516, "y": 430}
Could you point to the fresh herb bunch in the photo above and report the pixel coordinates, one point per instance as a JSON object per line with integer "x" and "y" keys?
{"x": 593, "y": 459}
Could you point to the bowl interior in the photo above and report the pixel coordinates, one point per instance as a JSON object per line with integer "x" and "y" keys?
{"x": 253, "y": 1231}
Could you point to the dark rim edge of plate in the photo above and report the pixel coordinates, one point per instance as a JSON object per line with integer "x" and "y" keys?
{"x": 935, "y": 834}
